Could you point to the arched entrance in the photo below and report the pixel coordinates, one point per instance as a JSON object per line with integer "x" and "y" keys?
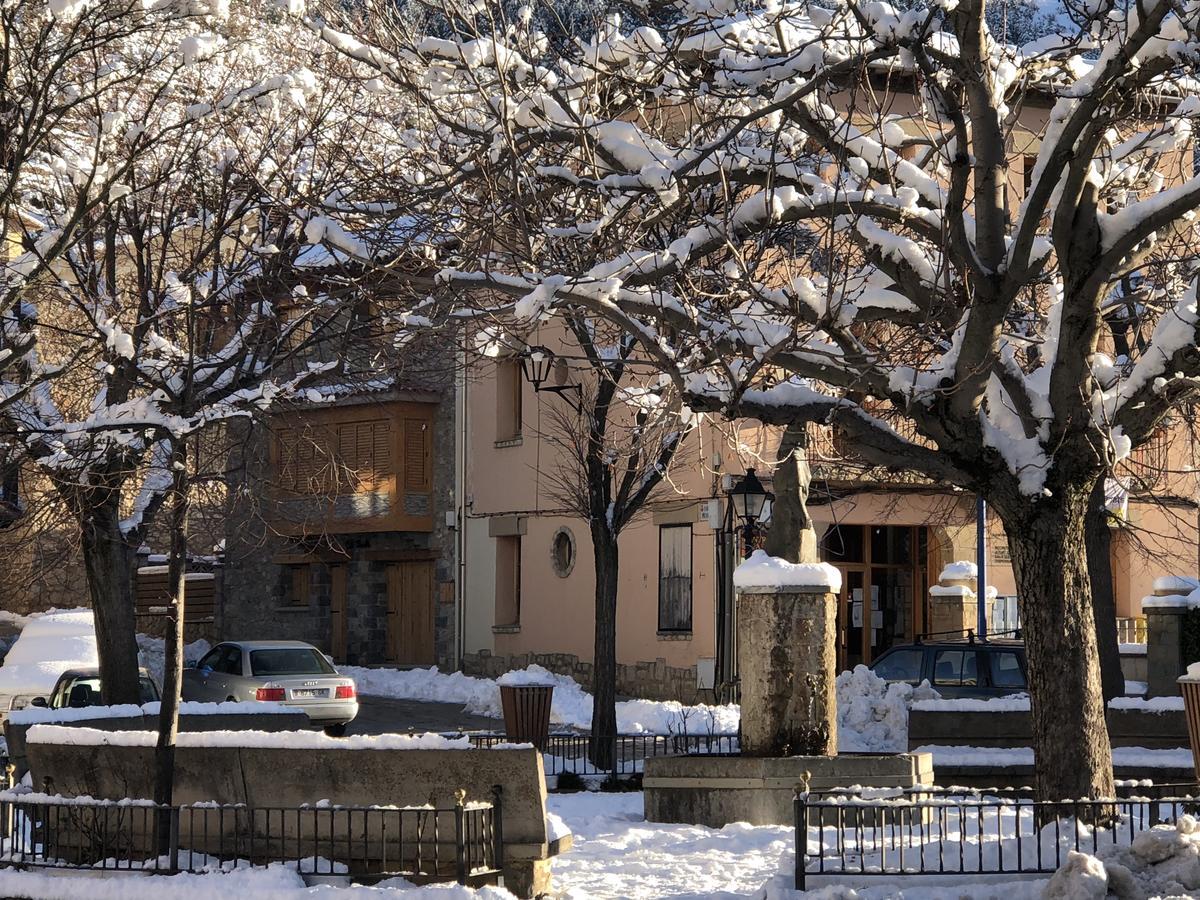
{"x": 884, "y": 587}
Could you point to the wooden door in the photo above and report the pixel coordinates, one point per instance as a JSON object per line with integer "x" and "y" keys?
{"x": 337, "y": 613}
{"x": 410, "y": 613}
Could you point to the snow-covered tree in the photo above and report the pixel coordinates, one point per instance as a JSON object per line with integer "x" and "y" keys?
{"x": 615, "y": 441}
{"x": 166, "y": 274}
{"x": 886, "y": 220}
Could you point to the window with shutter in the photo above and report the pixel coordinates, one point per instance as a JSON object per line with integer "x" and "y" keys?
{"x": 360, "y": 468}
{"x": 675, "y": 578}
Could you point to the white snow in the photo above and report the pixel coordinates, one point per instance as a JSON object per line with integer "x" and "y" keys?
{"x": 1132, "y": 649}
{"x": 872, "y": 714}
{"x": 1012, "y": 703}
{"x": 1161, "y": 862}
{"x": 49, "y": 644}
{"x": 1151, "y": 705}
{"x": 962, "y": 570}
{"x": 286, "y": 740}
{"x": 950, "y": 755}
{"x": 770, "y": 573}
{"x": 34, "y": 715}
{"x": 523, "y": 678}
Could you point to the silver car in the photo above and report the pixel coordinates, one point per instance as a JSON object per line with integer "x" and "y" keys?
{"x": 289, "y": 672}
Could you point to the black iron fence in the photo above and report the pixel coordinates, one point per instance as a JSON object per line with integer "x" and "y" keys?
{"x": 422, "y": 844}
{"x": 620, "y": 756}
{"x": 960, "y": 831}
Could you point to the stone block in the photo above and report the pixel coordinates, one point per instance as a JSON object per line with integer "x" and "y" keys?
{"x": 719, "y": 790}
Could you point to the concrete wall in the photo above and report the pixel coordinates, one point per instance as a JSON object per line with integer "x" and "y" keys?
{"x": 1126, "y": 728}
{"x": 280, "y": 777}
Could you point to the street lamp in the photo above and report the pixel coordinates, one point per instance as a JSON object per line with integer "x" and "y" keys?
{"x": 748, "y": 497}
{"x": 536, "y": 364}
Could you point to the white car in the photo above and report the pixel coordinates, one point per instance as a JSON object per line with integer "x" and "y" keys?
{"x": 289, "y": 672}
{"x": 49, "y": 645}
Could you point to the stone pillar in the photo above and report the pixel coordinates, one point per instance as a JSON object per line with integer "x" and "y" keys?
{"x": 953, "y": 608}
{"x": 1164, "y": 639}
{"x": 787, "y": 632}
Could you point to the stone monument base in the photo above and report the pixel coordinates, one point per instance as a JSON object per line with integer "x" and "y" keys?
{"x": 718, "y": 790}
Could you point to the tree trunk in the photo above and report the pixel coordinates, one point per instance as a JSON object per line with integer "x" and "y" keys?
{"x": 1099, "y": 541}
{"x": 168, "y": 718}
{"x": 604, "y": 666}
{"x": 168, "y": 713}
{"x": 108, "y": 560}
{"x": 1072, "y": 756}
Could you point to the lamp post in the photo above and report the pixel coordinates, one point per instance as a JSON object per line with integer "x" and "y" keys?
{"x": 748, "y": 497}
{"x": 536, "y": 364}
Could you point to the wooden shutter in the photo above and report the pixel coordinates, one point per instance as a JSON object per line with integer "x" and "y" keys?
{"x": 675, "y": 578}
{"x": 154, "y": 593}
{"x": 416, "y": 454}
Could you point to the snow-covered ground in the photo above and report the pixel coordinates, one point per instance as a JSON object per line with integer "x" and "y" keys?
{"x": 617, "y": 855}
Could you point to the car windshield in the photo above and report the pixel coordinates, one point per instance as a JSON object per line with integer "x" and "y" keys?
{"x": 86, "y": 692}
{"x": 289, "y": 661}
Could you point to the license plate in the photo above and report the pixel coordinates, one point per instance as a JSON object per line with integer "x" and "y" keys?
{"x": 306, "y": 693}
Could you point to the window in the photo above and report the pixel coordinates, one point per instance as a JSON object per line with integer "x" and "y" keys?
{"x": 900, "y": 665}
{"x": 675, "y": 578}
{"x": 298, "y": 595}
{"x": 289, "y": 661}
{"x": 562, "y": 552}
{"x": 230, "y": 662}
{"x": 1006, "y": 671}
{"x": 508, "y": 399}
{"x": 955, "y": 667}
{"x": 508, "y": 580}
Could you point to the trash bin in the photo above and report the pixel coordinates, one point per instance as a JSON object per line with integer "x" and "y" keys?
{"x": 1189, "y": 686}
{"x": 527, "y": 712}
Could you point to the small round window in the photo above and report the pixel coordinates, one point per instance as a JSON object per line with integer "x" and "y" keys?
{"x": 562, "y": 552}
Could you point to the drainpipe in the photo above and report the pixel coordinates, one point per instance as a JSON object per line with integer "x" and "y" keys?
{"x": 460, "y": 511}
{"x": 981, "y": 567}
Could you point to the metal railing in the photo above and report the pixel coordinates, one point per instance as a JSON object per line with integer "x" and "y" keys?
{"x": 959, "y": 831}
{"x": 572, "y": 753}
{"x": 422, "y": 844}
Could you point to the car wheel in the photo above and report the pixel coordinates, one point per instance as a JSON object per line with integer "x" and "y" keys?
{"x": 336, "y": 730}
{"x": 231, "y": 700}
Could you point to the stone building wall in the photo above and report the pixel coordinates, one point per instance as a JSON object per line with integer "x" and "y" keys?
{"x": 258, "y": 598}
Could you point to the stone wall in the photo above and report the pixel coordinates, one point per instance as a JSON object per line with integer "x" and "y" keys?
{"x": 647, "y": 680}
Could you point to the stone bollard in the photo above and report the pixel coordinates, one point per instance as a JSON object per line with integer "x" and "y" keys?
{"x": 952, "y": 601}
{"x": 1164, "y": 613}
{"x": 787, "y": 633}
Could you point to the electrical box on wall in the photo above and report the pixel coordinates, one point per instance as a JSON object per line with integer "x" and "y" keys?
{"x": 451, "y": 519}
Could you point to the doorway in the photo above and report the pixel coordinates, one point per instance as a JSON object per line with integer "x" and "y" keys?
{"x": 410, "y": 624}
{"x": 884, "y": 587}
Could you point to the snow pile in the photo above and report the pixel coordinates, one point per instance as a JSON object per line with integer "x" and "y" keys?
{"x": 49, "y": 645}
{"x": 152, "y": 654}
{"x": 770, "y": 573}
{"x": 571, "y": 705}
{"x": 1161, "y": 862}
{"x": 872, "y": 714}
{"x": 962, "y": 570}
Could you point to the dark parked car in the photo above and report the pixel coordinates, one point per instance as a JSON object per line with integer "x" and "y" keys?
{"x": 80, "y": 688}
{"x": 958, "y": 668}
